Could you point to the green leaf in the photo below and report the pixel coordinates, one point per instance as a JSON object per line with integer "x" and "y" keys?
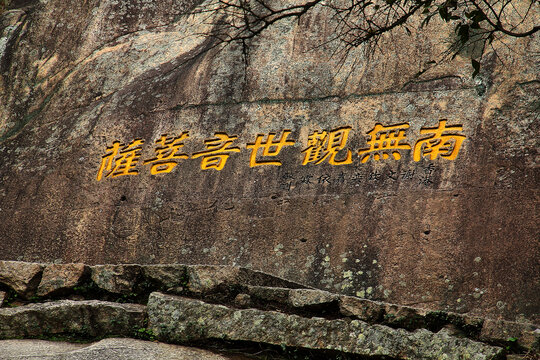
{"x": 476, "y": 67}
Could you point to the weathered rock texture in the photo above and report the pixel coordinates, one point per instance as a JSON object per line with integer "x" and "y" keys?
{"x": 22, "y": 277}
{"x": 177, "y": 319}
{"x": 455, "y": 235}
{"x": 58, "y": 277}
{"x": 241, "y": 305}
{"x": 118, "y": 349}
{"x": 90, "y": 318}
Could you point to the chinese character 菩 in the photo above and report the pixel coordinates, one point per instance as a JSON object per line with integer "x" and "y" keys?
{"x": 168, "y": 151}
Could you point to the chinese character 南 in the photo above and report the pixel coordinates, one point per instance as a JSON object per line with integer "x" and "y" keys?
{"x": 385, "y": 140}
{"x": 217, "y": 152}
{"x": 168, "y": 151}
{"x": 443, "y": 142}
{"x": 270, "y": 148}
{"x": 120, "y": 159}
{"x": 323, "y": 145}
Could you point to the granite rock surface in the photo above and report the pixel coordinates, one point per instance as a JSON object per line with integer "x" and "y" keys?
{"x": 78, "y": 81}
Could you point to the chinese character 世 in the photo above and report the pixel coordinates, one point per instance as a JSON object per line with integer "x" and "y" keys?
{"x": 168, "y": 151}
{"x": 120, "y": 159}
{"x": 217, "y": 152}
{"x": 385, "y": 140}
{"x": 440, "y": 143}
{"x": 322, "y": 145}
{"x": 270, "y": 148}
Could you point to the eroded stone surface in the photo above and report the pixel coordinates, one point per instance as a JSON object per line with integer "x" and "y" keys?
{"x": 119, "y": 279}
{"x": 166, "y": 276}
{"x": 526, "y": 335}
{"x": 211, "y": 278}
{"x": 89, "y": 318}
{"x": 362, "y": 309}
{"x": 22, "y": 277}
{"x": 307, "y": 297}
{"x": 118, "y": 349}
{"x": 58, "y": 277}
{"x": 445, "y": 235}
{"x": 177, "y": 319}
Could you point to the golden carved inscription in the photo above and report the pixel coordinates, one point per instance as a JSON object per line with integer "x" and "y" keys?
{"x": 269, "y": 148}
{"x": 326, "y": 145}
{"x": 217, "y": 151}
{"x": 383, "y": 142}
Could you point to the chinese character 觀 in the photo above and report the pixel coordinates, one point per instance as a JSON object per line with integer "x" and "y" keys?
{"x": 323, "y": 145}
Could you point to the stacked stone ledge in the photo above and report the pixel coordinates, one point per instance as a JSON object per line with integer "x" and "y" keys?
{"x": 186, "y": 303}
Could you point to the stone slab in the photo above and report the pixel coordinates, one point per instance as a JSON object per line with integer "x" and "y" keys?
{"x": 58, "y": 277}
{"x": 84, "y": 319}
{"x": 22, "y": 277}
{"x": 117, "y": 349}
{"x": 181, "y": 320}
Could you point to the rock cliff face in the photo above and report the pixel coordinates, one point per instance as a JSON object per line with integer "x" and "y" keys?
{"x": 90, "y": 93}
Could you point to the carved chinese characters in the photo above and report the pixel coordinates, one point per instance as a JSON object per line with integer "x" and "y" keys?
{"x": 330, "y": 146}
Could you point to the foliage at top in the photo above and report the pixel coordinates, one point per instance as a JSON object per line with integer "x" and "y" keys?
{"x": 364, "y": 22}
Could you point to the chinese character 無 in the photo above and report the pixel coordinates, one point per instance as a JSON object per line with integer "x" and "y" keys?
{"x": 385, "y": 140}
